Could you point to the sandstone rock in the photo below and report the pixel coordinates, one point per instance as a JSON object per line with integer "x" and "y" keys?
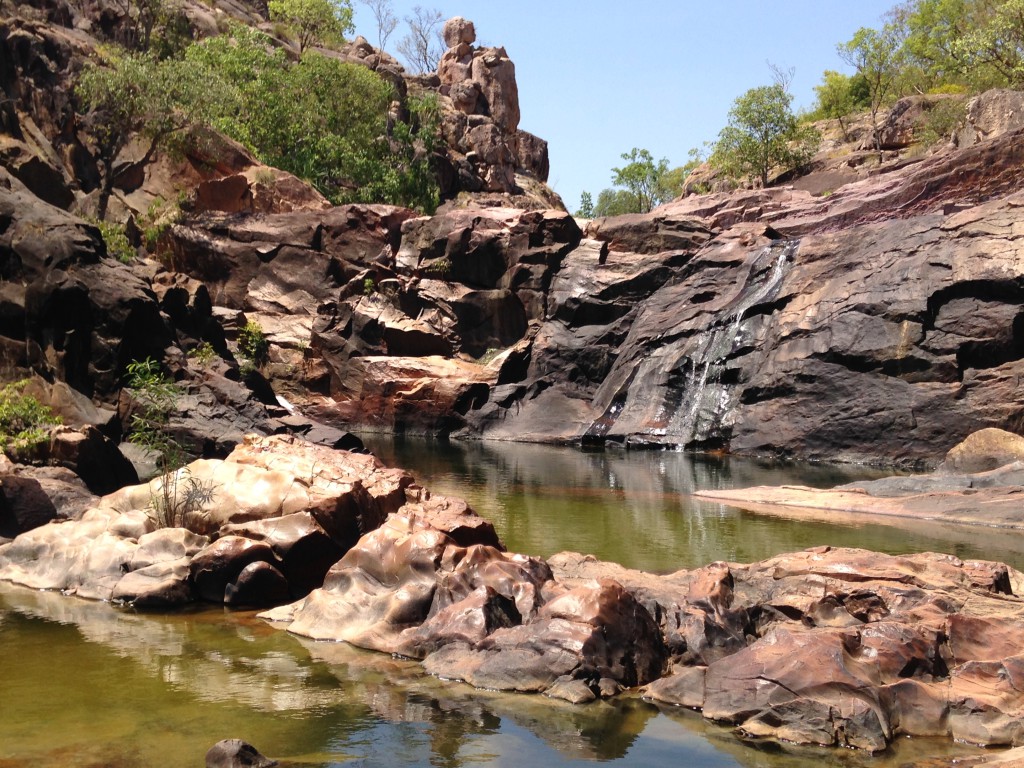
{"x": 220, "y": 564}
{"x": 458, "y": 30}
{"x": 991, "y": 114}
{"x": 301, "y": 504}
{"x": 93, "y": 457}
{"x": 303, "y": 548}
{"x": 33, "y": 496}
{"x": 984, "y": 450}
{"x": 257, "y": 584}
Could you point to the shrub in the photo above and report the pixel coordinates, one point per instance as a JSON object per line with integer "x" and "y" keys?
{"x": 253, "y": 343}
{"x": 945, "y": 117}
{"x": 116, "y": 241}
{"x": 203, "y": 353}
{"x": 178, "y": 496}
{"x": 24, "y": 421}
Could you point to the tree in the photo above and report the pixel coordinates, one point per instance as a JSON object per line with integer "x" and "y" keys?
{"x": 839, "y": 96}
{"x": 313, "y": 21}
{"x": 586, "y": 209}
{"x": 616, "y": 202}
{"x": 133, "y": 94}
{"x": 335, "y": 124}
{"x": 877, "y": 57}
{"x": 385, "y": 17}
{"x": 641, "y": 176}
{"x": 423, "y": 45}
{"x": 762, "y": 134}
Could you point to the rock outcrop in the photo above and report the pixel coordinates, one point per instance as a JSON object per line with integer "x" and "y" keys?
{"x": 261, "y": 527}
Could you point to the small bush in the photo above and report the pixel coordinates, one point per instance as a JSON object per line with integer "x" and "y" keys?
{"x": 203, "y": 353}
{"x": 253, "y": 343}
{"x": 369, "y": 286}
{"x": 160, "y": 217}
{"x": 178, "y": 497}
{"x": 24, "y": 421}
{"x": 944, "y": 118}
{"x": 116, "y": 241}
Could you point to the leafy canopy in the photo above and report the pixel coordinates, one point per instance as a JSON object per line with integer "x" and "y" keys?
{"x": 313, "y": 21}
{"x": 762, "y": 134}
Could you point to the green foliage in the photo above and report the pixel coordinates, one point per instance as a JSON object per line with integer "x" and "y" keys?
{"x": 839, "y": 96}
{"x": 130, "y": 94}
{"x": 178, "y": 496}
{"x": 878, "y": 56}
{"x": 24, "y": 421}
{"x": 116, "y": 241}
{"x": 313, "y": 21}
{"x": 642, "y": 177}
{"x": 643, "y": 184}
{"x": 160, "y": 216}
{"x": 324, "y": 120}
{"x": 440, "y": 268}
{"x": 253, "y": 343}
{"x": 762, "y": 134}
{"x": 369, "y": 287}
{"x": 975, "y": 43}
{"x": 944, "y": 118}
{"x": 586, "y": 209}
{"x": 203, "y": 353}
{"x": 616, "y": 202}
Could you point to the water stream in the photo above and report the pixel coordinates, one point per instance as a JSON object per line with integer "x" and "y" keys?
{"x": 87, "y": 684}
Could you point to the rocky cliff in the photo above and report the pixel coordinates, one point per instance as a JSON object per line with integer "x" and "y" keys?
{"x": 879, "y": 321}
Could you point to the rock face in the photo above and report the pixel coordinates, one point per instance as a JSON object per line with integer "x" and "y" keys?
{"x": 806, "y": 334}
{"x": 273, "y": 518}
{"x": 487, "y": 149}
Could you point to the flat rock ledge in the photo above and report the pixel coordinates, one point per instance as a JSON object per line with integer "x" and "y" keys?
{"x": 992, "y": 499}
{"x": 841, "y": 647}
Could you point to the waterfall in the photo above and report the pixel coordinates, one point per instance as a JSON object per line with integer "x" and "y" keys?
{"x": 703, "y": 400}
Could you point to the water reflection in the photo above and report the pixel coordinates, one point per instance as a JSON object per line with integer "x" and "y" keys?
{"x": 87, "y": 684}
{"x": 635, "y": 507}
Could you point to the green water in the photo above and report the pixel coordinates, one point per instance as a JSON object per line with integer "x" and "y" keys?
{"x": 635, "y": 507}
{"x": 87, "y": 684}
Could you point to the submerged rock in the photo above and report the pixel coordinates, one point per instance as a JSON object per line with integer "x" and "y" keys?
{"x": 235, "y": 753}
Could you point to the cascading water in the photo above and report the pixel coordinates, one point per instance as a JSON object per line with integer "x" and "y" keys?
{"x": 703, "y": 398}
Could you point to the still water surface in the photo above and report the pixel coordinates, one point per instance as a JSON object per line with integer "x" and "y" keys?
{"x": 86, "y": 684}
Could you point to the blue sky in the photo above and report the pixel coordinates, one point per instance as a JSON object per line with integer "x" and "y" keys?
{"x": 598, "y": 78}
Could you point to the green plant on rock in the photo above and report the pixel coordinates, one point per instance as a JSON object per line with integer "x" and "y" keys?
{"x": 943, "y": 120}
{"x": 24, "y": 422}
{"x": 441, "y": 268}
{"x": 160, "y": 216}
{"x": 203, "y": 353}
{"x": 178, "y": 496}
{"x": 116, "y": 241}
{"x": 253, "y": 343}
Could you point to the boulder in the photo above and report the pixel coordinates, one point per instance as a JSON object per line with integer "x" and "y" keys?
{"x": 278, "y": 500}
{"x": 984, "y": 450}
{"x": 235, "y": 753}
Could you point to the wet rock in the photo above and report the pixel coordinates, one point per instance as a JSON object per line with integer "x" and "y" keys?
{"x": 235, "y": 753}
{"x": 258, "y": 584}
{"x": 222, "y": 562}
